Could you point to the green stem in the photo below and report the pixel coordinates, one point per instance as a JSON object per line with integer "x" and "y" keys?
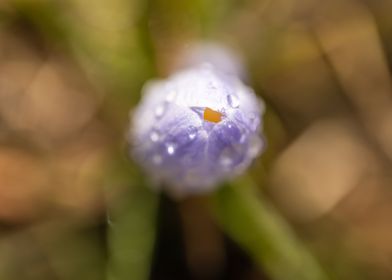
{"x": 131, "y": 227}
{"x": 261, "y": 231}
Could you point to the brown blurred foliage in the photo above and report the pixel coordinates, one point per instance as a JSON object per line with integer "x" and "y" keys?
{"x": 53, "y": 145}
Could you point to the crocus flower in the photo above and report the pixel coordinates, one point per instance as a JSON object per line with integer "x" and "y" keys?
{"x": 197, "y": 128}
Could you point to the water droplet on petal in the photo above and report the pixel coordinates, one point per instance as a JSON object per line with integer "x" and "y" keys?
{"x": 192, "y": 136}
{"x": 170, "y": 148}
{"x": 228, "y": 155}
{"x": 155, "y": 136}
{"x": 160, "y": 110}
{"x": 254, "y": 121}
{"x": 233, "y": 101}
{"x": 255, "y": 145}
{"x": 170, "y": 97}
{"x": 192, "y": 133}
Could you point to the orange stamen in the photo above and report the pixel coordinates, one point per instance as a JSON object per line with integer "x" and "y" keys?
{"x": 212, "y": 116}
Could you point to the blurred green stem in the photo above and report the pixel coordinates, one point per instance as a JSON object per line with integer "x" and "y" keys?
{"x": 131, "y": 226}
{"x": 260, "y": 230}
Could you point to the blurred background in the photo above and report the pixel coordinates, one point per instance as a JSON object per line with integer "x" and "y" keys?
{"x": 72, "y": 206}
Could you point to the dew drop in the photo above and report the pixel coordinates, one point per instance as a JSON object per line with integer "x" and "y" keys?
{"x": 170, "y": 148}
{"x": 226, "y": 157}
{"x": 230, "y": 155}
{"x": 254, "y": 121}
{"x": 255, "y": 145}
{"x": 160, "y": 110}
{"x": 233, "y": 101}
{"x": 170, "y": 97}
{"x": 154, "y": 136}
{"x": 192, "y": 136}
{"x": 192, "y": 133}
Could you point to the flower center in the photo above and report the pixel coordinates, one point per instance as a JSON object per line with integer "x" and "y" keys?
{"x": 211, "y": 115}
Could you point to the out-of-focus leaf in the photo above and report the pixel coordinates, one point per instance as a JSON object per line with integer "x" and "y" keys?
{"x": 45, "y": 18}
{"x": 109, "y": 39}
{"x": 259, "y": 230}
{"x": 106, "y": 37}
{"x": 56, "y": 249}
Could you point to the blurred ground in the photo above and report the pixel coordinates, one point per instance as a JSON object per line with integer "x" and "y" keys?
{"x": 70, "y": 71}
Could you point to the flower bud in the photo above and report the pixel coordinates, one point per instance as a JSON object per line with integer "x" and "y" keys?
{"x": 196, "y": 129}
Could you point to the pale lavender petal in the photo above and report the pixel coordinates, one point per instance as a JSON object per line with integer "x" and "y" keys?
{"x": 185, "y": 152}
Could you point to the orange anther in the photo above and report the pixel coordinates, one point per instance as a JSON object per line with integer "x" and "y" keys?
{"x": 212, "y": 116}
